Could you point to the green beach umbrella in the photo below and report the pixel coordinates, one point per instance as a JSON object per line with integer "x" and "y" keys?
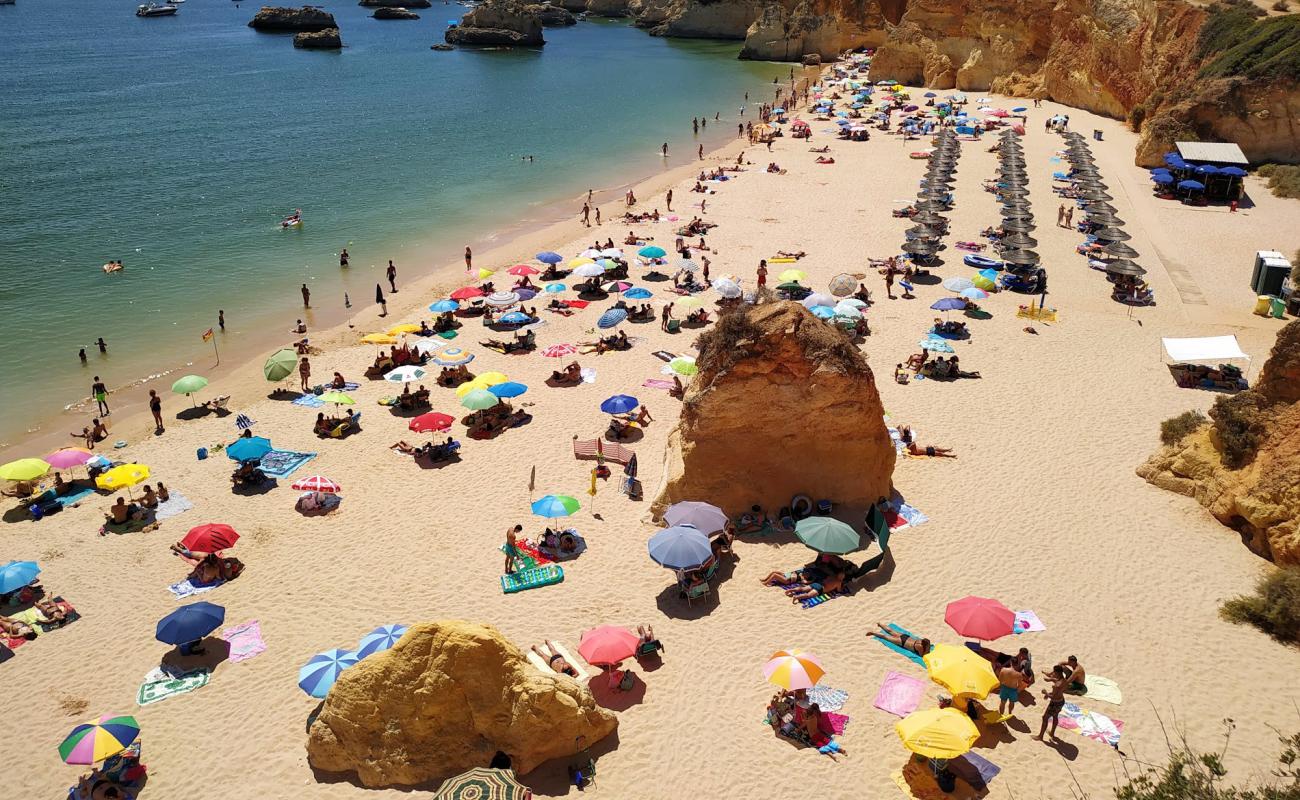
{"x": 683, "y": 365}
{"x": 189, "y": 384}
{"x": 479, "y": 399}
{"x": 337, "y": 398}
{"x": 99, "y": 739}
{"x": 24, "y": 469}
{"x": 826, "y": 535}
{"x": 554, "y": 505}
{"x": 280, "y": 365}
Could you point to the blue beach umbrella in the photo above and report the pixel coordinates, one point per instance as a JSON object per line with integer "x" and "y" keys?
{"x": 822, "y": 312}
{"x": 973, "y": 293}
{"x": 620, "y": 404}
{"x": 1234, "y": 172}
{"x": 508, "y": 389}
{"x": 515, "y": 318}
{"x": 652, "y": 251}
{"x": 381, "y": 638}
{"x": 549, "y": 257}
{"x": 929, "y": 94}
{"x": 1207, "y": 169}
{"x": 555, "y": 288}
{"x": 935, "y": 345}
{"x": 17, "y": 574}
{"x": 319, "y": 674}
{"x": 1019, "y": 110}
{"x": 525, "y": 293}
{"x": 1162, "y": 178}
{"x": 190, "y": 623}
{"x": 553, "y": 506}
{"x": 679, "y": 547}
{"x": 990, "y": 274}
{"x": 443, "y": 306}
{"x": 249, "y": 449}
{"x": 611, "y": 318}
{"x": 638, "y": 293}
{"x": 948, "y": 304}
{"x": 1191, "y": 186}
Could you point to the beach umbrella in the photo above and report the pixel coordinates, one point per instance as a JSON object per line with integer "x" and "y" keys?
{"x": 608, "y": 645}
{"x": 920, "y": 247}
{"x": 444, "y": 306}
{"x": 433, "y": 421}
{"x": 818, "y": 299}
{"x": 793, "y": 669}
{"x": 638, "y": 293}
{"x": 403, "y": 329}
{"x": 683, "y": 365}
{"x": 707, "y": 517}
{"x": 280, "y": 365}
{"x": 520, "y": 270}
{"x": 515, "y": 318}
{"x": 17, "y": 574}
{"x": 929, "y": 218}
{"x": 189, "y": 384}
{"x": 508, "y": 389}
{"x": 620, "y": 404}
{"x": 212, "y": 537}
{"x": 617, "y": 286}
{"x": 1120, "y": 250}
{"x": 1110, "y": 234}
{"x": 1232, "y": 172}
{"x": 957, "y": 284}
{"x": 1123, "y": 266}
{"x": 98, "y": 739}
{"x": 466, "y": 388}
{"x": 935, "y": 344}
{"x": 793, "y": 275}
{"x": 501, "y": 299}
{"x": 125, "y": 476}
{"x": 381, "y": 638}
{"x": 426, "y": 346}
{"x": 483, "y": 274}
{"x": 67, "y": 457}
{"x": 652, "y": 251}
{"x": 611, "y": 252}
{"x": 1105, "y": 218}
{"x": 479, "y": 399}
{"x": 688, "y": 303}
{"x": 405, "y": 374}
{"x": 24, "y": 469}
{"x": 317, "y": 483}
{"x": 789, "y": 286}
{"x": 525, "y": 293}
{"x": 190, "y": 623}
{"x": 941, "y": 733}
{"x": 727, "y": 287}
{"x": 466, "y": 293}
{"x": 1019, "y": 241}
{"x": 1018, "y": 225}
{"x": 827, "y": 535}
{"x": 974, "y": 293}
{"x": 559, "y": 351}
{"x": 554, "y": 506}
{"x": 250, "y": 449}
{"x": 452, "y": 357}
{"x": 1098, "y": 205}
{"x": 612, "y": 318}
{"x": 378, "y": 338}
{"x": 1020, "y": 257}
{"x": 679, "y": 547}
{"x": 960, "y": 671}
{"x": 980, "y": 618}
{"x": 548, "y": 257}
{"x": 337, "y": 398}
{"x": 847, "y": 312}
{"x": 687, "y": 265}
{"x": 322, "y": 670}
{"x": 822, "y": 312}
{"x": 581, "y": 261}
{"x": 851, "y": 301}
{"x": 589, "y": 271}
{"x": 482, "y": 783}
{"x": 949, "y": 303}
{"x": 554, "y": 288}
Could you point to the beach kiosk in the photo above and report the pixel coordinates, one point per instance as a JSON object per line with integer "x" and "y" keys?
{"x": 1271, "y": 282}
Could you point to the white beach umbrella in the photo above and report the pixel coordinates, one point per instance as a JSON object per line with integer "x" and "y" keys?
{"x": 818, "y": 299}
{"x": 405, "y": 374}
{"x": 501, "y": 299}
{"x": 688, "y": 265}
{"x": 852, "y": 301}
{"x": 590, "y": 253}
{"x": 428, "y": 345}
{"x": 612, "y": 252}
{"x": 589, "y": 271}
{"x": 727, "y": 288}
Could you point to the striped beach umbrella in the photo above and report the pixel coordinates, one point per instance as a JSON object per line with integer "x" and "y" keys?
{"x": 611, "y": 318}
{"x": 482, "y": 783}
{"x": 381, "y": 638}
{"x": 405, "y": 374}
{"x": 322, "y": 670}
{"x": 317, "y": 483}
{"x": 243, "y": 422}
{"x": 97, "y": 740}
{"x": 452, "y": 357}
{"x": 559, "y": 351}
{"x": 793, "y": 669}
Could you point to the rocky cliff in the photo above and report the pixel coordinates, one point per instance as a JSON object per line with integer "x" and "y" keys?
{"x": 278, "y": 19}
{"x": 506, "y": 23}
{"x": 445, "y": 699}
{"x": 1244, "y": 467}
{"x": 783, "y": 404}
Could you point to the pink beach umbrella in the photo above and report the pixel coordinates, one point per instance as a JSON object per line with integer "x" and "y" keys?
{"x": 68, "y": 457}
{"x": 317, "y": 483}
{"x": 980, "y": 617}
{"x": 559, "y": 351}
{"x": 608, "y": 644}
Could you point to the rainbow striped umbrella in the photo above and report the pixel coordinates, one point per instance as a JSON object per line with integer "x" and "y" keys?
{"x": 793, "y": 669}
{"x": 95, "y": 741}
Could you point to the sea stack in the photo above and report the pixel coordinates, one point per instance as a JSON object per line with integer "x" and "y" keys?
{"x": 327, "y": 39}
{"x": 279, "y": 19}
{"x": 394, "y": 12}
{"x": 498, "y": 23}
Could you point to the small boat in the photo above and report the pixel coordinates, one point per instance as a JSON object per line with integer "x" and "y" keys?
{"x": 292, "y": 221}
{"x": 156, "y": 10}
{"x": 981, "y": 262}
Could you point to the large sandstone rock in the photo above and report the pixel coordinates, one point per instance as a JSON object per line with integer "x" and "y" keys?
{"x": 327, "y": 39}
{"x": 394, "y": 12}
{"x": 783, "y": 404}
{"x": 1261, "y": 500}
{"x": 278, "y": 19}
{"x": 444, "y": 700}
{"x": 395, "y": 4}
{"x": 498, "y": 22}
{"x": 551, "y": 16}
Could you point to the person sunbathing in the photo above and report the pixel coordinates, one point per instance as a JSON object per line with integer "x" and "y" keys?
{"x": 930, "y": 451}
{"x": 795, "y": 256}
{"x": 815, "y": 588}
{"x": 554, "y": 660}
{"x": 825, "y": 160}
{"x": 150, "y": 497}
{"x": 921, "y": 646}
{"x": 51, "y": 612}
{"x": 16, "y": 629}
{"x": 407, "y": 449}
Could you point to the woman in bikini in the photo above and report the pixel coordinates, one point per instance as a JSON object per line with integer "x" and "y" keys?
{"x": 554, "y": 660}
{"x": 16, "y": 629}
{"x": 912, "y": 644}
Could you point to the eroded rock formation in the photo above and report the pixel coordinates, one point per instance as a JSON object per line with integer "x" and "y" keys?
{"x": 327, "y": 39}
{"x": 498, "y": 23}
{"x": 1261, "y": 499}
{"x": 279, "y": 19}
{"x": 394, "y": 12}
{"x": 396, "y": 4}
{"x": 551, "y": 16}
{"x": 783, "y": 404}
{"x": 446, "y": 698}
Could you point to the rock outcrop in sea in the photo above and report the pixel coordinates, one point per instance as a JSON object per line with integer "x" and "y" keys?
{"x": 280, "y": 19}
{"x": 394, "y": 12}
{"x": 508, "y": 23}
{"x": 551, "y": 16}
{"x": 783, "y": 404}
{"x": 1259, "y": 498}
{"x": 445, "y": 699}
{"x": 396, "y": 3}
{"x": 327, "y": 39}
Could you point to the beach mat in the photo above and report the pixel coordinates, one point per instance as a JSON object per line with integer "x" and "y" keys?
{"x": 309, "y": 401}
{"x": 828, "y": 699}
{"x": 899, "y": 694}
{"x": 1092, "y": 724}
{"x": 282, "y": 463}
{"x": 164, "y": 687}
{"x": 67, "y": 500}
{"x": 541, "y": 663}
{"x": 974, "y": 769}
{"x": 188, "y": 588}
{"x": 908, "y": 654}
{"x": 1028, "y": 622}
{"x": 838, "y": 722}
{"x": 656, "y": 383}
{"x": 813, "y": 602}
{"x": 176, "y": 505}
{"x": 1103, "y": 689}
{"x": 532, "y": 578}
{"x": 245, "y": 640}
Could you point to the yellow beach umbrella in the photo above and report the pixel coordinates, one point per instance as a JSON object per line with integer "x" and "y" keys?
{"x": 491, "y": 378}
{"x": 405, "y": 327}
{"x": 982, "y": 282}
{"x": 122, "y": 477}
{"x": 469, "y": 386}
{"x": 378, "y": 338}
{"x": 793, "y": 669}
{"x": 937, "y": 732}
{"x": 24, "y": 469}
{"x": 337, "y": 398}
{"x": 688, "y": 303}
{"x": 792, "y": 275}
{"x": 960, "y": 671}
{"x": 578, "y": 262}
{"x": 484, "y": 274}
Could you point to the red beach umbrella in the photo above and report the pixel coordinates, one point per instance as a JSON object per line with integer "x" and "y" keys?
{"x": 210, "y": 538}
{"x": 433, "y": 421}
{"x": 467, "y": 293}
{"x": 608, "y": 644}
{"x": 979, "y": 617}
{"x": 317, "y": 483}
{"x": 522, "y": 270}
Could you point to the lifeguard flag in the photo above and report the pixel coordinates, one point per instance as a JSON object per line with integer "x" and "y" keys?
{"x": 207, "y": 335}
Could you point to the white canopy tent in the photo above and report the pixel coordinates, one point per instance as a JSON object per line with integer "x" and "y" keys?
{"x": 1203, "y": 349}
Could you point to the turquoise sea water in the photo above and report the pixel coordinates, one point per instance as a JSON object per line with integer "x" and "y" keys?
{"x": 177, "y": 144}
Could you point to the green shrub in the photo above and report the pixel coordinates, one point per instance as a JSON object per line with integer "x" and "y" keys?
{"x": 1239, "y": 425}
{"x": 1175, "y": 429}
{"x": 1274, "y": 607}
{"x": 1281, "y": 5}
{"x": 1239, "y": 46}
{"x": 1136, "y": 116}
{"x": 1283, "y": 179}
{"x": 1189, "y": 775}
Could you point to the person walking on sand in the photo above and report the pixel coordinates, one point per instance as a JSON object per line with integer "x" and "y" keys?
{"x": 598, "y": 215}
{"x": 762, "y": 273}
{"x": 100, "y": 392}
{"x": 1069, "y": 217}
{"x": 1060, "y": 216}
{"x": 343, "y": 258}
{"x": 306, "y": 296}
{"x": 304, "y": 372}
{"x": 221, "y": 319}
{"x": 379, "y": 298}
{"x": 1055, "y": 696}
{"x": 469, "y": 259}
{"x": 889, "y": 284}
{"x": 669, "y": 198}
{"x": 392, "y": 276}
{"x": 155, "y": 408}
{"x": 512, "y": 549}
{"x": 586, "y": 214}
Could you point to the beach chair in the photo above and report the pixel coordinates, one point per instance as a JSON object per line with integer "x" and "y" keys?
{"x": 699, "y": 590}
{"x": 344, "y": 427}
{"x": 583, "y": 773}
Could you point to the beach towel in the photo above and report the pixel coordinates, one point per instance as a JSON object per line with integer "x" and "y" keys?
{"x": 67, "y": 500}
{"x": 245, "y": 640}
{"x": 900, "y": 694}
{"x": 282, "y": 463}
{"x": 70, "y": 615}
{"x": 1103, "y": 689}
{"x": 544, "y": 666}
{"x": 1027, "y": 622}
{"x": 656, "y": 383}
{"x": 904, "y": 516}
{"x": 828, "y": 699}
{"x": 1092, "y": 724}
{"x": 812, "y": 602}
{"x": 188, "y": 588}
{"x": 532, "y": 578}
{"x": 588, "y": 374}
{"x": 176, "y": 504}
{"x": 149, "y": 522}
{"x": 908, "y": 654}
{"x": 161, "y": 688}
{"x": 663, "y": 355}
{"x": 974, "y": 769}
{"x": 838, "y": 722}
{"x": 309, "y": 401}
{"x": 578, "y": 304}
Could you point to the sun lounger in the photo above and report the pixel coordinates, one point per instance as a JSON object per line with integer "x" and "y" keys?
{"x": 540, "y": 663}
{"x": 598, "y": 448}
{"x": 532, "y": 578}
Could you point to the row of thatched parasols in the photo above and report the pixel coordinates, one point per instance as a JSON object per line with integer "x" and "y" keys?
{"x": 1099, "y": 215}
{"x": 922, "y": 243}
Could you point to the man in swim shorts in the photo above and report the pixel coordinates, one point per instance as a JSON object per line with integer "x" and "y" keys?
{"x": 1010, "y": 681}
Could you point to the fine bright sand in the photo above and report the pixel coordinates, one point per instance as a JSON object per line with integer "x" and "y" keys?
{"x": 1042, "y": 510}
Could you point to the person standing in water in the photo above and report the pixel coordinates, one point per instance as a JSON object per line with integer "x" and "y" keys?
{"x": 100, "y": 392}
{"x": 306, "y": 296}
{"x": 221, "y": 319}
{"x": 343, "y": 258}
{"x": 664, "y": 150}
{"x": 102, "y": 345}
{"x": 379, "y": 298}
{"x": 392, "y": 276}
{"x": 700, "y": 154}
{"x": 81, "y": 354}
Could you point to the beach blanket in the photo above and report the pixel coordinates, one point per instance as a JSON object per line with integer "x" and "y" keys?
{"x": 1092, "y": 724}
{"x": 908, "y": 654}
{"x": 1103, "y": 689}
{"x": 974, "y": 769}
{"x": 67, "y": 500}
{"x": 188, "y": 588}
{"x": 149, "y": 522}
{"x": 664, "y": 355}
{"x": 656, "y": 383}
{"x": 828, "y": 699}
{"x": 532, "y": 578}
{"x": 838, "y": 722}
{"x": 37, "y": 621}
{"x": 245, "y": 640}
{"x": 309, "y": 401}
{"x": 162, "y": 687}
{"x": 1028, "y": 622}
{"x": 176, "y": 504}
{"x": 282, "y": 463}
{"x": 578, "y": 304}
{"x": 588, "y": 374}
{"x": 812, "y": 602}
{"x": 904, "y": 516}
{"x": 900, "y": 694}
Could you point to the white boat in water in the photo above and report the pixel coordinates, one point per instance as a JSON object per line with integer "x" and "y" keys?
{"x": 156, "y": 10}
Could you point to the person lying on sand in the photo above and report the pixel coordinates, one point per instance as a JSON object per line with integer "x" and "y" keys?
{"x": 50, "y": 611}
{"x": 930, "y": 451}
{"x": 557, "y": 663}
{"x": 919, "y": 646}
{"x": 16, "y": 629}
{"x": 795, "y": 256}
{"x": 807, "y": 591}
{"x": 825, "y": 160}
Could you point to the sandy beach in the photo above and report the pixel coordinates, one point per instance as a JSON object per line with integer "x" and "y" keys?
{"x": 1041, "y": 510}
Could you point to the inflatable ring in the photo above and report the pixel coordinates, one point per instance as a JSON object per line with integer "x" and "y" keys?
{"x": 801, "y": 505}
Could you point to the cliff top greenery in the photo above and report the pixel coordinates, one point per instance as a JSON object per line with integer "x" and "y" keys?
{"x": 1237, "y": 43}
